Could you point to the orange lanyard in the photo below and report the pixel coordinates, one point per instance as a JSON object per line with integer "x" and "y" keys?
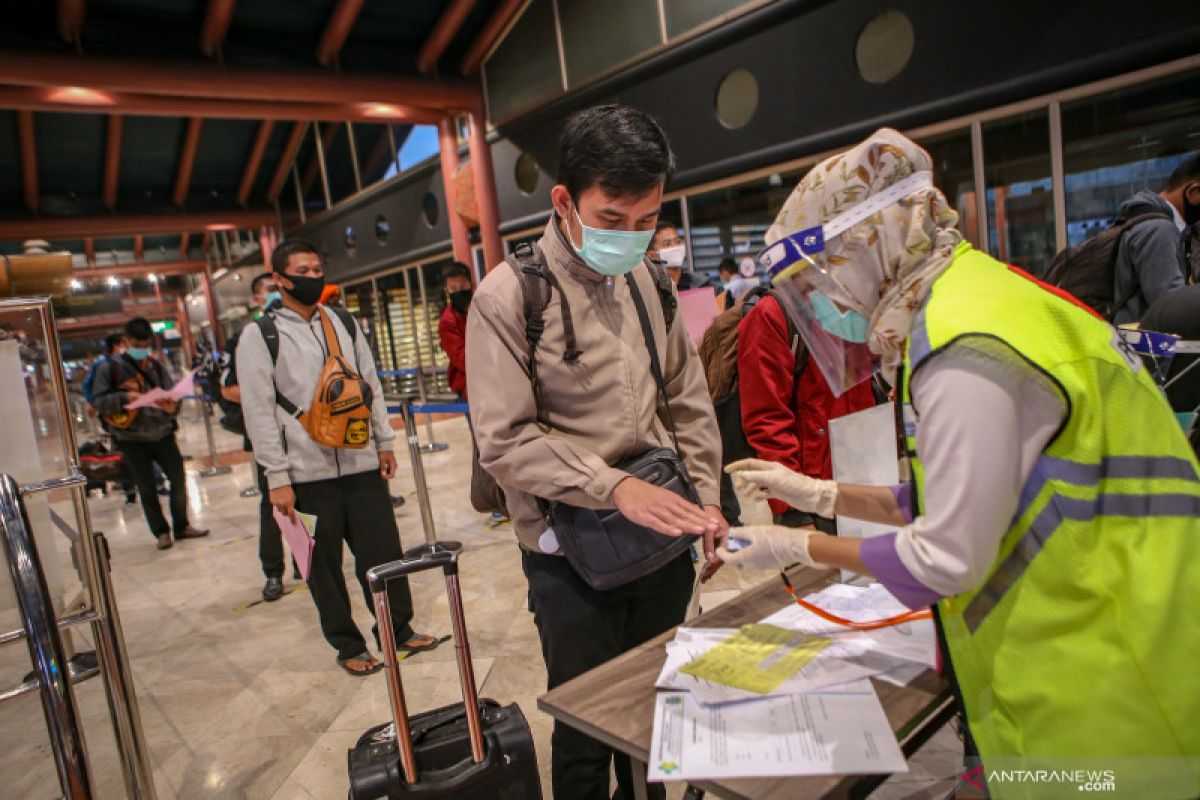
{"x": 887, "y": 622}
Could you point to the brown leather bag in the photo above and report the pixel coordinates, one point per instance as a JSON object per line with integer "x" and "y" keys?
{"x": 340, "y": 412}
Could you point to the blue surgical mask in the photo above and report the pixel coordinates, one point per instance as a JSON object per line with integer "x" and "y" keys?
{"x": 140, "y": 353}
{"x": 612, "y": 252}
{"x": 848, "y": 325}
{"x": 274, "y": 300}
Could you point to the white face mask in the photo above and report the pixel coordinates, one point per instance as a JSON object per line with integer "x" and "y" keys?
{"x": 673, "y": 256}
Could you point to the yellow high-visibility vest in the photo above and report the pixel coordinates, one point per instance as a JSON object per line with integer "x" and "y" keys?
{"x": 1084, "y": 638}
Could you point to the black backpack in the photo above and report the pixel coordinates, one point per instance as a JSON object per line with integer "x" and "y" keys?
{"x": 537, "y": 283}
{"x": 1088, "y": 270}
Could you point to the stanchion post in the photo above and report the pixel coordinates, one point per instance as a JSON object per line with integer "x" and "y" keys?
{"x": 414, "y": 453}
{"x": 213, "y": 467}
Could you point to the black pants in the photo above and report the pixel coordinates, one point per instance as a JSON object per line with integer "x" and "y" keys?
{"x": 581, "y": 628}
{"x": 357, "y": 510}
{"x": 802, "y": 519}
{"x": 270, "y": 540}
{"x": 731, "y": 509}
{"x": 141, "y": 457}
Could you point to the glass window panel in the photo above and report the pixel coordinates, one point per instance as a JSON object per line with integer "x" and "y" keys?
{"x": 1020, "y": 205}
{"x": 524, "y": 71}
{"x": 732, "y": 221}
{"x": 954, "y": 174}
{"x": 1121, "y": 142}
{"x": 684, "y": 15}
{"x": 599, "y": 36}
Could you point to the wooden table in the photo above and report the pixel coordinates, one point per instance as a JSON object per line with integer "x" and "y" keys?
{"x": 614, "y": 702}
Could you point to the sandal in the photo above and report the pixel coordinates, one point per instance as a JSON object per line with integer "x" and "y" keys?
{"x": 419, "y": 643}
{"x": 373, "y": 665}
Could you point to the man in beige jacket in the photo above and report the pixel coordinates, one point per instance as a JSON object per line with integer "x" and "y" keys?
{"x": 598, "y": 408}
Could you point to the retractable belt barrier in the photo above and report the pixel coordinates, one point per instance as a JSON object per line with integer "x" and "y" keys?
{"x": 408, "y": 410}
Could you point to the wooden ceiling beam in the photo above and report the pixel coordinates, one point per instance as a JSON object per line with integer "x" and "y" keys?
{"x": 187, "y": 160}
{"x": 27, "y": 141}
{"x": 337, "y": 30}
{"x": 206, "y": 80}
{"x": 448, "y": 24}
{"x": 295, "y": 138}
{"x": 110, "y": 225}
{"x": 40, "y": 99}
{"x": 501, "y": 19}
{"x": 215, "y": 27}
{"x": 257, "y": 151}
{"x": 112, "y": 160}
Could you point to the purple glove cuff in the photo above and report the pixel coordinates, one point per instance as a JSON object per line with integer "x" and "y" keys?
{"x": 879, "y": 555}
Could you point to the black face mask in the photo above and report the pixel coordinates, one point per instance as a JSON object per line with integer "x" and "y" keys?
{"x": 306, "y": 291}
{"x": 460, "y": 301}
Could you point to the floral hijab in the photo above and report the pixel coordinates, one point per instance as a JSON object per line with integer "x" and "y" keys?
{"x": 889, "y": 261}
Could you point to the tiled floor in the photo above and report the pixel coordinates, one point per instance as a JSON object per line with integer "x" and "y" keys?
{"x": 243, "y": 699}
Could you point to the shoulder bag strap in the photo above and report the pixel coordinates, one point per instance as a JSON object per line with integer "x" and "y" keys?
{"x": 655, "y": 368}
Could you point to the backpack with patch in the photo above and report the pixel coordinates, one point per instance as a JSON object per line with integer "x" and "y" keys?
{"x": 719, "y": 354}
{"x": 340, "y": 412}
{"x": 537, "y": 283}
{"x": 1088, "y": 270}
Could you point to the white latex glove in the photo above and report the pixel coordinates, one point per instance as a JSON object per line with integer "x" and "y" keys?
{"x": 770, "y": 547}
{"x": 775, "y": 480}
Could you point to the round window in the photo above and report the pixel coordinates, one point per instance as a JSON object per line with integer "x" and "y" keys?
{"x": 350, "y": 238}
{"x": 525, "y": 173}
{"x": 884, "y": 47}
{"x": 381, "y": 229}
{"x": 737, "y": 98}
{"x": 429, "y": 209}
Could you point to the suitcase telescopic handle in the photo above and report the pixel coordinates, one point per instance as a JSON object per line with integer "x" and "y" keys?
{"x": 418, "y": 559}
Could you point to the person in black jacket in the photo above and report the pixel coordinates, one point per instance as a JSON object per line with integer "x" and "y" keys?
{"x": 146, "y": 436}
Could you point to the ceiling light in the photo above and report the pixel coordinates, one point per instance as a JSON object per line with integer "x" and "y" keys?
{"x": 76, "y": 284}
{"x": 112, "y": 281}
{"x": 78, "y": 96}
{"x": 152, "y": 278}
{"x": 380, "y": 110}
{"x": 221, "y": 226}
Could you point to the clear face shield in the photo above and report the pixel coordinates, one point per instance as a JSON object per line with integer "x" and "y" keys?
{"x": 833, "y": 323}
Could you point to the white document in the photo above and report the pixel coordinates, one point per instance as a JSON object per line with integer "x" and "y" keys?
{"x": 830, "y": 667}
{"x": 811, "y": 734}
{"x": 862, "y": 447}
{"x": 914, "y": 642}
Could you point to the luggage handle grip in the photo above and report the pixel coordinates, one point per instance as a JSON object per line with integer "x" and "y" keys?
{"x": 418, "y": 559}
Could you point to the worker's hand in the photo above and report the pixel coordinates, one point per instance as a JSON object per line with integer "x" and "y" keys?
{"x": 131, "y": 395}
{"x": 284, "y": 501}
{"x": 662, "y": 510}
{"x": 770, "y": 547}
{"x": 169, "y": 406}
{"x": 387, "y": 464}
{"x": 711, "y": 542}
{"x": 768, "y": 479}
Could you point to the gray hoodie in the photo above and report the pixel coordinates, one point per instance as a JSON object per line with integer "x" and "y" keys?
{"x": 281, "y": 445}
{"x": 1149, "y": 257}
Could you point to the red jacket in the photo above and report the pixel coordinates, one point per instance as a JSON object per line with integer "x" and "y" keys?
{"x": 786, "y": 423}
{"x": 452, "y": 331}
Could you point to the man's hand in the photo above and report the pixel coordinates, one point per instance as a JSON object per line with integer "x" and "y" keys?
{"x": 169, "y": 406}
{"x": 284, "y": 501}
{"x": 661, "y": 509}
{"x": 712, "y": 542}
{"x": 387, "y": 464}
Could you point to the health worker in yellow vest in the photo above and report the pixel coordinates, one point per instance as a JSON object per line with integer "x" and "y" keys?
{"x": 1054, "y": 516}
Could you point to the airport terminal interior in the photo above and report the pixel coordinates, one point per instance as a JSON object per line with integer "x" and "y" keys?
{"x": 170, "y": 169}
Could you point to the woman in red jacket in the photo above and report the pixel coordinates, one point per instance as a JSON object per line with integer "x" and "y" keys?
{"x": 786, "y": 407}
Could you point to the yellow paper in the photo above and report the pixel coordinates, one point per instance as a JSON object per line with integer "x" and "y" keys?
{"x": 309, "y": 521}
{"x": 757, "y": 658}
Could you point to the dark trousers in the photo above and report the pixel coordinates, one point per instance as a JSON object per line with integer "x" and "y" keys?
{"x": 731, "y": 509}
{"x": 141, "y": 457}
{"x": 270, "y": 540}
{"x": 357, "y": 510}
{"x": 581, "y": 628}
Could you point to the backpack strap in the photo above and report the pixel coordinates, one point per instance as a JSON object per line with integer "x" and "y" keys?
{"x": 270, "y": 333}
{"x": 655, "y": 367}
{"x": 528, "y": 263}
{"x": 347, "y": 319}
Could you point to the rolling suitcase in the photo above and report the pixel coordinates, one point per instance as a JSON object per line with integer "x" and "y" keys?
{"x": 477, "y": 749}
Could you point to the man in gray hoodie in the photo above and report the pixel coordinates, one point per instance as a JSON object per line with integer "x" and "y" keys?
{"x": 1149, "y": 257}
{"x": 346, "y": 489}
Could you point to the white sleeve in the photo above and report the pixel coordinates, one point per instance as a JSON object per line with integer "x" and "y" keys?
{"x": 983, "y": 421}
